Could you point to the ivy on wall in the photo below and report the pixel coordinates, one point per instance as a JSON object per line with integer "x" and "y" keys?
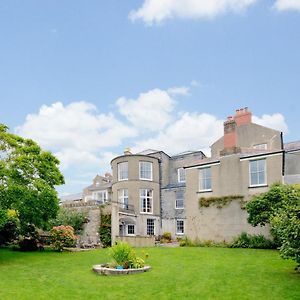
{"x": 220, "y": 202}
{"x": 105, "y": 229}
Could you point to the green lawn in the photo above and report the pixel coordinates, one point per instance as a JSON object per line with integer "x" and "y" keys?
{"x": 178, "y": 273}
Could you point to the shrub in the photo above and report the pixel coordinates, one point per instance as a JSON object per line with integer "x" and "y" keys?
{"x": 123, "y": 255}
{"x": 62, "y": 236}
{"x": 68, "y": 217}
{"x": 187, "y": 242}
{"x": 258, "y": 241}
{"x": 9, "y": 226}
{"x": 105, "y": 230}
{"x": 166, "y": 237}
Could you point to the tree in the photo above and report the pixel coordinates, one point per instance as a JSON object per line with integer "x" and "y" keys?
{"x": 279, "y": 207}
{"x": 28, "y": 176}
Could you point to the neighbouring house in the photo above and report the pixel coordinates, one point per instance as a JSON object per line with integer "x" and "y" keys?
{"x": 99, "y": 191}
{"x": 292, "y": 162}
{"x": 93, "y": 196}
{"x": 244, "y": 162}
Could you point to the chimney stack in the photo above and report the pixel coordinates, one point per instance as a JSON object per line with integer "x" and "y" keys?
{"x": 127, "y": 151}
{"x": 241, "y": 117}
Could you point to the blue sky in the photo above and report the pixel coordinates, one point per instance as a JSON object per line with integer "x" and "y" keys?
{"x": 88, "y": 78}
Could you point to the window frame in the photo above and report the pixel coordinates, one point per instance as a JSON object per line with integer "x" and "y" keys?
{"x": 176, "y": 192}
{"x": 102, "y": 192}
{"x": 259, "y": 146}
{"x": 127, "y": 230}
{"x": 179, "y": 177}
{"x": 153, "y": 220}
{"x": 140, "y": 170}
{"x": 201, "y": 170}
{"x": 176, "y": 227}
{"x": 119, "y": 170}
{"x": 146, "y": 198}
{"x": 121, "y": 198}
{"x": 257, "y": 172}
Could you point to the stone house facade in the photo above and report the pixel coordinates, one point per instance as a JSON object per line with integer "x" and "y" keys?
{"x": 192, "y": 195}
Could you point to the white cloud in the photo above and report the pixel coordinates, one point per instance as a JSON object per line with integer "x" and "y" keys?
{"x": 179, "y": 90}
{"x": 191, "y": 131}
{"x": 275, "y": 121}
{"x": 150, "y": 111}
{"x": 75, "y": 132}
{"x": 282, "y": 5}
{"x": 156, "y": 11}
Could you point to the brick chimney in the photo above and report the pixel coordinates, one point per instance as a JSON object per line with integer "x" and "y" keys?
{"x": 242, "y": 116}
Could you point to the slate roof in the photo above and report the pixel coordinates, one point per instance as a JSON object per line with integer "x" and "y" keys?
{"x": 71, "y": 197}
{"x": 292, "y": 146}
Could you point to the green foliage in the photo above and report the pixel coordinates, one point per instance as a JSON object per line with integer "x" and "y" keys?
{"x": 245, "y": 240}
{"x": 166, "y": 237}
{"x": 187, "y": 242}
{"x": 9, "y": 227}
{"x": 62, "y": 236}
{"x": 28, "y": 176}
{"x": 286, "y": 224}
{"x": 280, "y": 207}
{"x": 73, "y": 218}
{"x": 123, "y": 255}
{"x": 219, "y": 202}
{"x": 105, "y": 229}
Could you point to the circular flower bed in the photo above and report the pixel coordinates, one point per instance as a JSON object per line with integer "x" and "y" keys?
{"x": 103, "y": 269}
{"x": 124, "y": 262}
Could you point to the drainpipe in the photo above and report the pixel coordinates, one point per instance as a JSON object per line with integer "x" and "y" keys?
{"x": 283, "y": 156}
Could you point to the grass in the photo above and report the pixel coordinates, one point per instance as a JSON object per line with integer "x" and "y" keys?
{"x": 178, "y": 273}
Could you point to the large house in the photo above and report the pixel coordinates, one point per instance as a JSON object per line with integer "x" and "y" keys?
{"x": 192, "y": 195}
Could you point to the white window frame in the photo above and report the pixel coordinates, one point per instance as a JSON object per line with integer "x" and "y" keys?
{"x": 181, "y": 176}
{"x": 176, "y": 206}
{"x": 151, "y": 226}
{"x": 176, "y": 227}
{"x": 127, "y": 227}
{"x": 257, "y": 172}
{"x": 144, "y": 198}
{"x": 262, "y": 146}
{"x": 102, "y": 193}
{"x": 141, "y": 163}
{"x": 122, "y": 195}
{"x": 201, "y": 179}
{"x": 120, "y": 171}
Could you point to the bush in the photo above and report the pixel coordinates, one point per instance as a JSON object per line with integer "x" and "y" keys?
{"x": 166, "y": 237}
{"x": 123, "y": 255}
{"x": 187, "y": 242}
{"x": 68, "y": 217}
{"x": 245, "y": 240}
{"x": 62, "y": 236}
{"x": 105, "y": 230}
{"x": 9, "y": 226}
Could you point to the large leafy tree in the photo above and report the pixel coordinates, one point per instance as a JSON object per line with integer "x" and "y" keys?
{"x": 28, "y": 176}
{"x": 279, "y": 207}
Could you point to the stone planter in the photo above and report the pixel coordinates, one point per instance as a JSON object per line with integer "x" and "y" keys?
{"x": 103, "y": 270}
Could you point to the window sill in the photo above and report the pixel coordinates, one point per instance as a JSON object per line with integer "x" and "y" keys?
{"x": 146, "y": 179}
{"x": 204, "y": 191}
{"x": 146, "y": 213}
{"x": 257, "y": 186}
{"x": 179, "y": 208}
{"x": 123, "y": 179}
{"x": 177, "y": 233}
